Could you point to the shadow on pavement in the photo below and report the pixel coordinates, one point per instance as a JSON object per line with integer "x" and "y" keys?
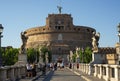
{"x": 48, "y": 76}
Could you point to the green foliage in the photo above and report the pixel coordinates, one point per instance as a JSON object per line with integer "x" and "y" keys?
{"x": 85, "y": 55}
{"x": 10, "y": 56}
{"x": 74, "y": 57}
{"x": 31, "y": 55}
{"x": 44, "y": 51}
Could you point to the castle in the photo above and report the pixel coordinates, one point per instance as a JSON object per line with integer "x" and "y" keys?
{"x": 60, "y": 35}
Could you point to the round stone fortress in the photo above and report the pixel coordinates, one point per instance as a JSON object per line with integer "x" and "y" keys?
{"x": 60, "y": 35}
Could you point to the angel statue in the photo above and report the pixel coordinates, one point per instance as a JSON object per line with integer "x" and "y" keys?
{"x": 24, "y": 39}
{"x": 95, "y": 40}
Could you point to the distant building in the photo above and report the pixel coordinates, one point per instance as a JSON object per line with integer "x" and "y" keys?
{"x": 60, "y": 35}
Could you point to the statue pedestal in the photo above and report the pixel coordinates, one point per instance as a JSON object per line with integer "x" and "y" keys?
{"x": 97, "y": 58}
{"x": 22, "y": 59}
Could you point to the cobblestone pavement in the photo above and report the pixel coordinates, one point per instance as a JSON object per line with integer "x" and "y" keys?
{"x": 61, "y": 75}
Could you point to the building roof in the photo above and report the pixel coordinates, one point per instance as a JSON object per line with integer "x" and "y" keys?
{"x": 106, "y": 50}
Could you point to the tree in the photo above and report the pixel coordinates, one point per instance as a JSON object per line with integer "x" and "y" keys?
{"x": 31, "y": 55}
{"x": 10, "y": 56}
{"x": 45, "y": 51}
{"x": 85, "y": 55}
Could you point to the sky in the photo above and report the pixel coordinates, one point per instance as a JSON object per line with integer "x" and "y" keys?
{"x": 17, "y": 16}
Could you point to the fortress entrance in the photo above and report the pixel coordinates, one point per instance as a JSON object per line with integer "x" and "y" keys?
{"x": 60, "y": 60}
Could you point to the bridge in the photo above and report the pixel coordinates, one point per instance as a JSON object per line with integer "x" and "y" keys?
{"x": 86, "y": 72}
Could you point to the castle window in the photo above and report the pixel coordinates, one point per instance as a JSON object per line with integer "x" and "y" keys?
{"x": 60, "y": 37}
{"x": 59, "y": 27}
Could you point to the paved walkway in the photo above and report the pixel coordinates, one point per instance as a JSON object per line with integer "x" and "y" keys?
{"x": 61, "y": 75}
{"x": 65, "y": 74}
{"x": 86, "y": 76}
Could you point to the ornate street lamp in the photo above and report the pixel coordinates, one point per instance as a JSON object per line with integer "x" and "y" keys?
{"x": 1, "y": 30}
{"x": 119, "y": 32}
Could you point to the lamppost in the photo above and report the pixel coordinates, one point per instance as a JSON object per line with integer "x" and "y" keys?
{"x": 119, "y": 32}
{"x": 1, "y": 30}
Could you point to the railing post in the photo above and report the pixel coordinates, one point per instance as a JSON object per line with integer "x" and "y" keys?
{"x": 116, "y": 73}
{"x": 107, "y": 72}
{"x": 100, "y": 75}
{"x": 90, "y": 69}
{"x": 86, "y": 68}
{"x": 95, "y": 73}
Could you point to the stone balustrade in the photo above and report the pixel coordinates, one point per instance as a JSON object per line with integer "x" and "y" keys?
{"x": 102, "y": 71}
{"x": 12, "y": 73}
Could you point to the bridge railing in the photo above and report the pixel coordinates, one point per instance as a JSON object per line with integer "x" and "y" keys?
{"x": 11, "y": 73}
{"x": 102, "y": 71}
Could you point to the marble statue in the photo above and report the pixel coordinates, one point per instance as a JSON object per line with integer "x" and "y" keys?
{"x": 24, "y": 40}
{"x": 95, "y": 40}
